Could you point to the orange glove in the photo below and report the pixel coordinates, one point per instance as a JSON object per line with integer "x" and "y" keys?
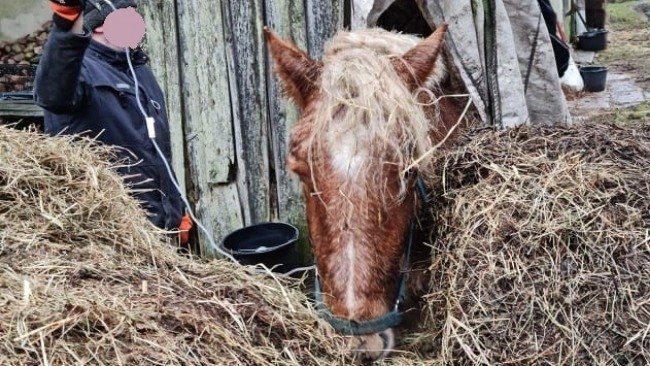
{"x": 66, "y": 12}
{"x": 184, "y": 229}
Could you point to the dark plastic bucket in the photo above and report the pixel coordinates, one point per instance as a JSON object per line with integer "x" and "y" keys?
{"x": 594, "y": 77}
{"x": 272, "y": 244}
{"x": 593, "y": 40}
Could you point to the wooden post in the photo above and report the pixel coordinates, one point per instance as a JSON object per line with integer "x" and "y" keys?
{"x": 324, "y": 18}
{"x": 211, "y": 153}
{"x": 286, "y": 18}
{"x": 248, "y": 96}
{"x": 161, "y": 44}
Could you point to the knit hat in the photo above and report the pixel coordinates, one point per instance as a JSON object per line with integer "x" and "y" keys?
{"x": 94, "y": 17}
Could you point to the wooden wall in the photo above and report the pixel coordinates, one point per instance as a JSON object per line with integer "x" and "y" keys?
{"x": 229, "y": 123}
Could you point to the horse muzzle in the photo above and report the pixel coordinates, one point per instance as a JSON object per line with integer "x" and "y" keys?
{"x": 372, "y": 347}
{"x": 369, "y": 340}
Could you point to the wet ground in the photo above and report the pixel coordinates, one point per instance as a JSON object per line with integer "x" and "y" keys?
{"x": 628, "y": 81}
{"x": 645, "y": 9}
{"x": 622, "y": 91}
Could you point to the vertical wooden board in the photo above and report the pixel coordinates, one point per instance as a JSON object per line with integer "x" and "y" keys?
{"x": 161, "y": 45}
{"x": 208, "y": 118}
{"x": 251, "y": 125}
{"x": 338, "y": 15}
{"x": 324, "y": 18}
{"x": 287, "y": 19}
{"x": 219, "y": 211}
{"x": 205, "y": 88}
{"x": 359, "y": 13}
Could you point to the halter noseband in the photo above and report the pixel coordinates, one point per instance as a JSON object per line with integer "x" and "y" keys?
{"x": 388, "y": 320}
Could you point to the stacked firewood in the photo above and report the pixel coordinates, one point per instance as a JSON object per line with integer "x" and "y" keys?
{"x": 18, "y": 59}
{"x": 25, "y": 50}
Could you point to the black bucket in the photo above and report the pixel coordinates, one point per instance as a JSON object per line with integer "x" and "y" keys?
{"x": 272, "y": 244}
{"x": 593, "y": 40}
{"x": 595, "y": 77}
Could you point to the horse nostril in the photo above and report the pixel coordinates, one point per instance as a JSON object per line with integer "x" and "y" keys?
{"x": 372, "y": 347}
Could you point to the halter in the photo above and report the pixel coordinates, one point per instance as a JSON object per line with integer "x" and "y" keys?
{"x": 388, "y": 320}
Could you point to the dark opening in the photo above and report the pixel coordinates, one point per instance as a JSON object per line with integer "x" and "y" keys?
{"x": 405, "y": 16}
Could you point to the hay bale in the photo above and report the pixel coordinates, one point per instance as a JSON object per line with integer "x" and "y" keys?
{"x": 86, "y": 279}
{"x": 542, "y": 257}
{"x": 542, "y": 253}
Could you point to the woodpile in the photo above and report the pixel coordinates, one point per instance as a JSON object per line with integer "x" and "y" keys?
{"x": 25, "y": 50}
{"x": 18, "y": 59}
{"x": 15, "y": 78}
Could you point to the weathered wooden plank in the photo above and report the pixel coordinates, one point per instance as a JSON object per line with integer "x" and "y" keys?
{"x": 359, "y": 13}
{"x": 212, "y": 159}
{"x": 15, "y": 108}
{"x": 324, "y": 18}
{"x": 161, "y": 44}
{"x": 287, "y": 19}
{"x": 251, "y": 125}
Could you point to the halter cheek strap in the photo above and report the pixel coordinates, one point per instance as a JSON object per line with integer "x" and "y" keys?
{"x": 352, "y": 327}
{"x": 388, "y": 320}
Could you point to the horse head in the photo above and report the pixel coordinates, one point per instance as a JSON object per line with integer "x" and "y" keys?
{"x": 368, "y": 109}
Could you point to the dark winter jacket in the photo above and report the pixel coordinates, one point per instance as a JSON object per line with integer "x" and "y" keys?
{"x": 86, "y": 88}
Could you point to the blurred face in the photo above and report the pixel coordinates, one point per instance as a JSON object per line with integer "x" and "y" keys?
{"x": 123, "y": 28}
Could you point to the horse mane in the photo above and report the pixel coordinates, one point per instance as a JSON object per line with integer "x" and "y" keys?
{"x": 366, "y": 117}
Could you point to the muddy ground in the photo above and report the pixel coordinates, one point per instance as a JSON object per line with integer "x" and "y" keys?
{"x": 628, "y": 53}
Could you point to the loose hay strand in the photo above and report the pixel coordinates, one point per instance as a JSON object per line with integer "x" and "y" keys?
{"x": 434, "y": 148}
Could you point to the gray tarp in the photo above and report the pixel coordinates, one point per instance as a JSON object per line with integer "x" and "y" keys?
{"x": 502, "y": 52}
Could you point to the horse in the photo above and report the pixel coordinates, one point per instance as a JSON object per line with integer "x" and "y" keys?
{"x": 369, "y": 109}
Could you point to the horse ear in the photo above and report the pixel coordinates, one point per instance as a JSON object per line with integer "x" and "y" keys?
{"x": 417, "y": 64}
{"x": 295, "y": 69}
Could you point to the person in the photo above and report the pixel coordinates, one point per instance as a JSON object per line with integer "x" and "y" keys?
{"x": 84, "y": 84}
{"x": 560, "y": 48}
